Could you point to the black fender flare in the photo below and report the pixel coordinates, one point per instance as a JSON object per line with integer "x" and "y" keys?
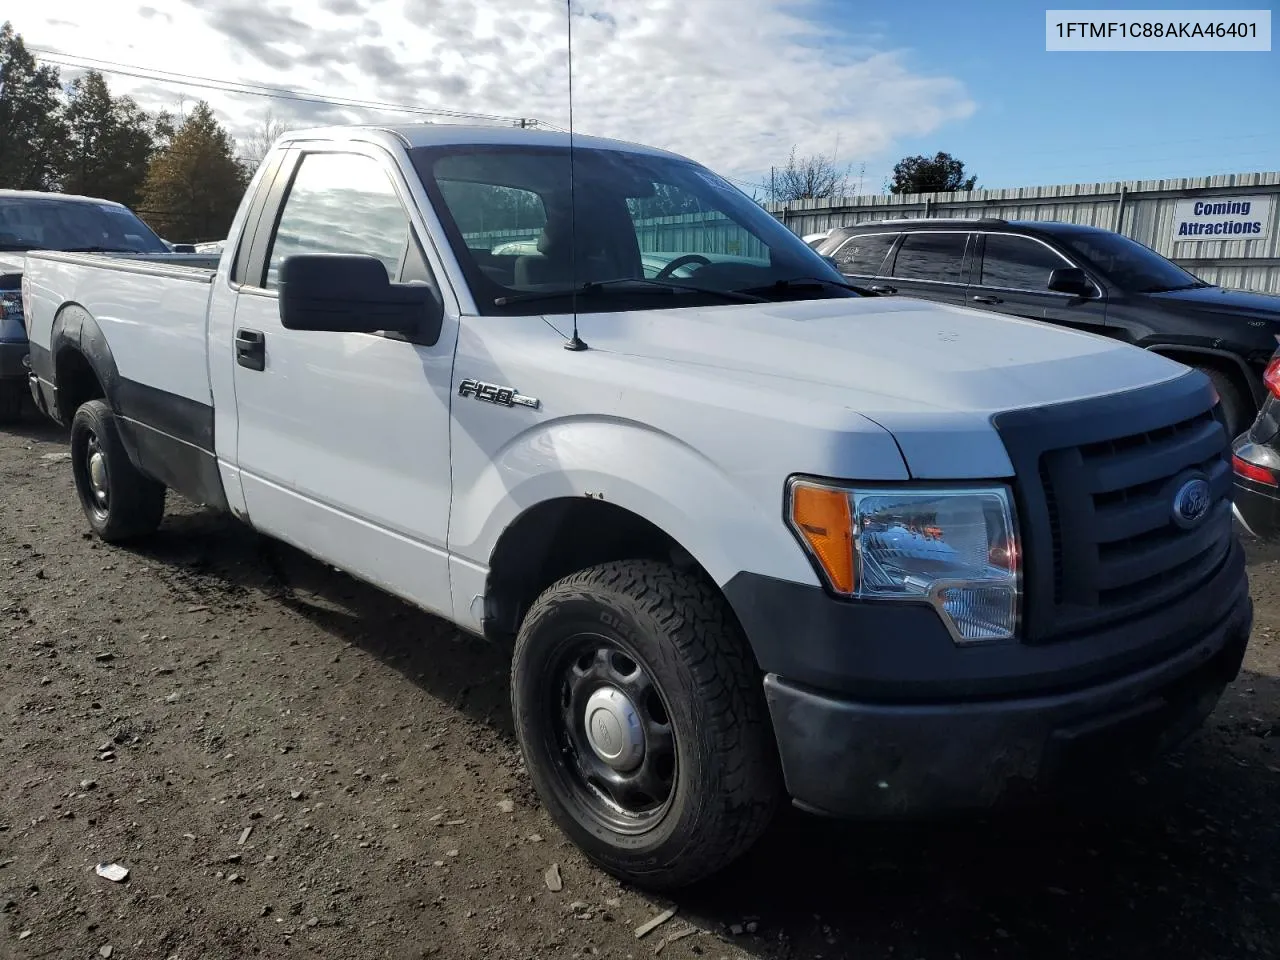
{"x": 76, "y": 328}
{"x": 1252, "y": 380}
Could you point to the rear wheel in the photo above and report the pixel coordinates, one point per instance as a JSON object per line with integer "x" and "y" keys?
{"x": 119, "y": 502}
{"x": 12, "y": 394}
{"x": 642, "y": 719}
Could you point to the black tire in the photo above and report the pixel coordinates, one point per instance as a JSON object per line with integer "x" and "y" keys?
{"x": 133, "y": 505}
{"x": 12, "y": 400}
{"x": 724, "y": 780}
{"x": 1237, "y": 408}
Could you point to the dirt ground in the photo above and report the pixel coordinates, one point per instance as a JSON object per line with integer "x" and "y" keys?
{"x": 290, "y": 763}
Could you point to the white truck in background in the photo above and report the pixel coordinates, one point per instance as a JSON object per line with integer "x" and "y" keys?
{"x": 751, "y": 534}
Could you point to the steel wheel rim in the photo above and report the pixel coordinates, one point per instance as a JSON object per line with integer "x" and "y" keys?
{"x": 634, "y": 793}
{"x": 98, "y": 480}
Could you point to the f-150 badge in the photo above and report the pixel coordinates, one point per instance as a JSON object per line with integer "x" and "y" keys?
{"x": 492, "y": 393}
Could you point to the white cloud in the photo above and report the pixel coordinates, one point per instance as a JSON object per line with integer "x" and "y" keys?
{"x": 732, "y": 83}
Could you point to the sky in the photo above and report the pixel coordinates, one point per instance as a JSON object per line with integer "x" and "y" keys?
{"x": 735, "y": 84}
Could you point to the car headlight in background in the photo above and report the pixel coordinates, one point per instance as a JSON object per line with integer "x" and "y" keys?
{"x": 954, "y": 548}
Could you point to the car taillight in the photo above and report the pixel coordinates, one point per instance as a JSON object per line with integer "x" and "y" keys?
{"x": 1271, "y": 377}
{"x": 1251, "y": 471}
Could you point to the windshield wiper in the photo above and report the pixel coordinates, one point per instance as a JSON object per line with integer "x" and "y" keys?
{"x": 96, "y": 250}
{"x": 621, "y": 284}
{"x": 19, "y": 247}
{"x": 792, "y": 283}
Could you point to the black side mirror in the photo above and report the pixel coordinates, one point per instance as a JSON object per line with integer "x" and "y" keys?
{"x": 1071, "y": 280}
{"x": 184, "y": 248}
{"x": 348, "y": 293}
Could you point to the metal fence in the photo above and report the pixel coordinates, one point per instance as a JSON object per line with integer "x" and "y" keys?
{"x": 1141, "y": 209}
{"x": 685, "y": 233}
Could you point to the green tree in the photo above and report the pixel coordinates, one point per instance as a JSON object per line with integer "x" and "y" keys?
{"x": 941, "y": 173}
{"x": 194, "y": 183}
{"x": 32, "y": 131}
{"x": 110, "y": 142}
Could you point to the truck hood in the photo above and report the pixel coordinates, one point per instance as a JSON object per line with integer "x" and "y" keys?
{"x": 931, "y": 374}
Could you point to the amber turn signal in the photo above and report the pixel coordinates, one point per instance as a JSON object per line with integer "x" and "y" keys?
{"x": 822, "y": 518}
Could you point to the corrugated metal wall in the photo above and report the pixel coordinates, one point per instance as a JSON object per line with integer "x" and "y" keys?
{"x": 685, "y": 233}
{"x": 1145, "y": 209}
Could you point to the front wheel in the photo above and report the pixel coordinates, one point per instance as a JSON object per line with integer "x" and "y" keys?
{"x": 119, "y": 502}
{"x": 643, "y": 724}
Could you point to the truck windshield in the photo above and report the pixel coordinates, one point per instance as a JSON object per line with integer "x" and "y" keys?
{"x": 1130, "y": 265}
{"x": 509, "y": 213}
{"x": 47, "y": 223}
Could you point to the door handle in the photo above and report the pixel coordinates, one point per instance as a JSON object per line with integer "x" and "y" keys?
{"x": 987, "y": 300}
{"x": 251, "y": 349}
{"x": 881, "y": 288}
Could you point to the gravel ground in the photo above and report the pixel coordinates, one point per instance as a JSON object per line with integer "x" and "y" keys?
{"x": 290, "y": 763}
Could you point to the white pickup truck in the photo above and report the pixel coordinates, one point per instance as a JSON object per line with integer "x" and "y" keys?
{"x": 751, "y": 534}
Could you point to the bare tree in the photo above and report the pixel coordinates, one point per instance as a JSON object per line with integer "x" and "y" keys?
{"x": 256, "y": 146}
{"x": 808, "y": 178}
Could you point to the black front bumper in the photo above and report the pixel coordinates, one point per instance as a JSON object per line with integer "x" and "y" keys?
{"x": 979, "y": 725}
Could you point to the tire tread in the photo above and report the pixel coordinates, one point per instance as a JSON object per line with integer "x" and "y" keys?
{"x": 695, "y": 619}
{"x": 137, "y": 501}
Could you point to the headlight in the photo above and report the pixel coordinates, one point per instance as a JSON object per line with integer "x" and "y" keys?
{"x": 954, "y": 548}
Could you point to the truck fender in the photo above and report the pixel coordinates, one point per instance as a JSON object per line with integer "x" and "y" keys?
{"x": 76, "y": 333}
{"x": 75, "y": 327}
{"x": 646, "y": 472}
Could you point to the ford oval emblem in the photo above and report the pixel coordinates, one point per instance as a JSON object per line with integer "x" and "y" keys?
{"x": 1191, "y": 503}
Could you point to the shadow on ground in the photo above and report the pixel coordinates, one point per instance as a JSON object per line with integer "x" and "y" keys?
{"x": 34, "y": 425}
{"x": 1180, "y": 861}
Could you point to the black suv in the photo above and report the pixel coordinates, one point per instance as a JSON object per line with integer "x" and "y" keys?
{"x": 1074, "y": 276}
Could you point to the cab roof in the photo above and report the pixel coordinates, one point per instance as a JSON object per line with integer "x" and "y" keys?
{"x": 416, "y": 135}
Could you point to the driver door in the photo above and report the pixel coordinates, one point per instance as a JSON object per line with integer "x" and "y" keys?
{"x": 343, "y": 442}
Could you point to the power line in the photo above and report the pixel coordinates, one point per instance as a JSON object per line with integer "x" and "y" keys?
{"x": 252, "y": 89}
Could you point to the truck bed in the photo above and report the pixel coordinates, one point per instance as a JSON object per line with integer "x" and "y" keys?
{"x": 151, "y": 309}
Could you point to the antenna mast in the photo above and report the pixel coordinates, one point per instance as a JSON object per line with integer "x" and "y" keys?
{"x": 575, "y": 342}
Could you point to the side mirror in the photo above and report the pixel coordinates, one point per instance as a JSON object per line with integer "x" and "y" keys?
{"x": 184, "y": 248}
{"x": 831, "y": 262}
{"x": 348, "y": 293}
{"x": 1071, "y": 280}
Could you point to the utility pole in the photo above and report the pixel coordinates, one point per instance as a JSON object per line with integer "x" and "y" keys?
{"x": 773, "y": 189}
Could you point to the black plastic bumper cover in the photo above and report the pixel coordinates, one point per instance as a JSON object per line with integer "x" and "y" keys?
{"x": 979, "y": 725}
{"x": 883, "y": 761}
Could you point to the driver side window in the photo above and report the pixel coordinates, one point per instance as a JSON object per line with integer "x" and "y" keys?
{"x": 342, "y": 203}
{"x": 673, "y": 224}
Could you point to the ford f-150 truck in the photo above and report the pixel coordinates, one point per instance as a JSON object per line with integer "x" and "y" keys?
{"x": 750, "y": 534}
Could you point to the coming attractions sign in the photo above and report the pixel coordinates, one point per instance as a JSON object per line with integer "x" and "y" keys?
{"x": 1222, "y": 218}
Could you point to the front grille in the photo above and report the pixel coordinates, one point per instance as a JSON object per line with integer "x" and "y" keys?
{"x": 1096, "y": 483}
